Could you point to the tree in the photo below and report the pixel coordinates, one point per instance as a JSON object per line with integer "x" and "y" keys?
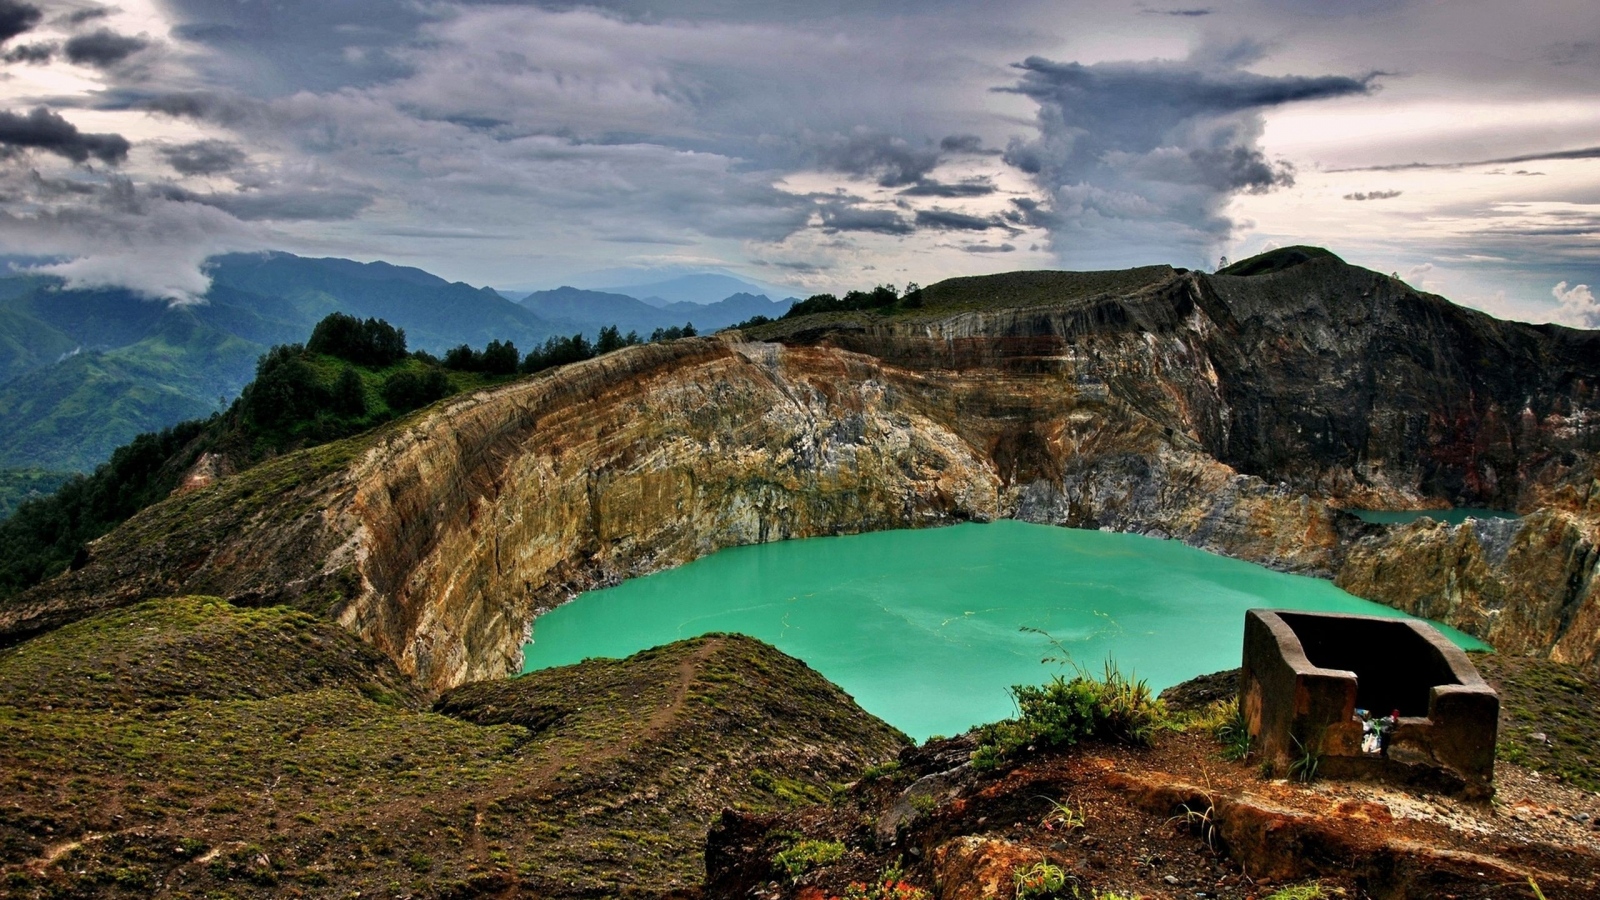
{"x": 405, "y": 391}
{"x": 461, "y": 358}
{"x": 350, "y": 395}
{"x": 499, "y": 358}
{"x": 286, "y": 388}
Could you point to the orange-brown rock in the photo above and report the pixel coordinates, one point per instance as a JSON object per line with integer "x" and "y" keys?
{"x": 978, "y": 868}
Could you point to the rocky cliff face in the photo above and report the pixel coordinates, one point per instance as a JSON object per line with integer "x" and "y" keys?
{"x": 1235, "y": 414}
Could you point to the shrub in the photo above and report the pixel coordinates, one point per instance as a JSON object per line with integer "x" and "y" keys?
{"x": 1224, "y": 721}
{"x": 1063, "y": 712}
{"x": 405, "y": 391}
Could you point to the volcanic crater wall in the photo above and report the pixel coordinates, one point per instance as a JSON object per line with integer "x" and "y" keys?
{"x": 1234, "y": 414}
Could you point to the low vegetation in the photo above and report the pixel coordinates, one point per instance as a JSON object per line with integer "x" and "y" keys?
{"x": 1547, "y": 717}
{"x": 214, "y": 750}
{"x": 803, "y": 856}
{"x": 1067, "y": 711}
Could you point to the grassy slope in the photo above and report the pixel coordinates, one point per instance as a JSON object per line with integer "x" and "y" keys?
{"x": 1012, "y": 290}
{"x": 206, "y": 748}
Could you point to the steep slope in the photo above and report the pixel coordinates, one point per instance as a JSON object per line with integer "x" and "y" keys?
{"x": 1204, "y": 408}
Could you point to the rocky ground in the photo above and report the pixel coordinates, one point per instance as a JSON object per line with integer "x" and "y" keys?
{"x": 1177, "y": 820}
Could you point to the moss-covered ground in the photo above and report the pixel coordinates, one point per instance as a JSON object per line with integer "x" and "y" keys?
{"x": 192, "y": 748}
{"x": 1549, "y": 717}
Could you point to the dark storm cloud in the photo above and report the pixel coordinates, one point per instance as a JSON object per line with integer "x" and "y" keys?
{"x": 1372, "y": 195}
{"x": 103, "y": 47}
{"x": 89, "y": 14}
{"x": 204, "y": 157}
{"x": 962, "y": 143}
{"x": 988, "y": 248}
{"x": 1581, "y": 153}
{"x": 44, "y": 130}
{"x": 1136, "y": 155}
{"x": 17, "y": 18}
{"x": 928, "y": 187}
{"x": 945, "y": 220}
{"x": 271, "y": 48}
{"x": 206, "y": 106}
{"x": 846, "y": 217}
{"x": 34, "y": 54}
{"x": 893, "y": 161}
{"x": 288, "y": 203}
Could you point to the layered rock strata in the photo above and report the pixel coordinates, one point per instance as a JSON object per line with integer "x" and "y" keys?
{"x": 1235, "y": 414}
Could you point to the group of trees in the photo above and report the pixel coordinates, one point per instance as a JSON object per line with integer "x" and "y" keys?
{"x": 500, "y": 357}
{"x": 881, "y": 297}
{"x": 48, "y": 534}
{"x": 373, "y": 343}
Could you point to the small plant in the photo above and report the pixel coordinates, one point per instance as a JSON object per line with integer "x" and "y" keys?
{"x": 891, "y": 885}
{"x": 1225, "y": 722}
{"x": 1201, "y": 822}
{"x": 1303, "y": 767}
{"x": 1534, "y": 885}
{"x": 419, "y": 862}
{"x": 887, "y": 769}
{"x": 1039, "y": 880}
{"x": 1062, "y": 817}
{"x": 1299, "y": 892}
{"x": 924, "y": 803}
{"x": 803, "y": 856}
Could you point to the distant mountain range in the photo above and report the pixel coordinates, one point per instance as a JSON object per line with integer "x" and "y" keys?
{"x": 84, "y": 371}
{"x": 588, "y": 310}
{"x": 705, "y": 288}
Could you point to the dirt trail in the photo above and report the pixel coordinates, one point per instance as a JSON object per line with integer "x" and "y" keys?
{"x": 657, "y": 723}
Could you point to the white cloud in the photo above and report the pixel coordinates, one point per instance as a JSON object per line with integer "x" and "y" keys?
{"x": 1578, "y": 306}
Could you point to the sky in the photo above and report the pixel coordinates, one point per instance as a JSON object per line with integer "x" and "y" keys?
{"x": 813, "y": 146}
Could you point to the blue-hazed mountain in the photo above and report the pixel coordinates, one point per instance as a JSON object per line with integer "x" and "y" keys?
{"x": 589, "y": 311}
{"x": 730, "y": 310}
{"x": 701, "y": 288}
{"x": 84, "y": 371}
{"x": 435, "y": 313}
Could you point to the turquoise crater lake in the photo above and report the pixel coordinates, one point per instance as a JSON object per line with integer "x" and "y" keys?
{"x": 922, "y": 627}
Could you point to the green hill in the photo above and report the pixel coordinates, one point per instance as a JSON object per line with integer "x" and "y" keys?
{"x": 84, "y": 371}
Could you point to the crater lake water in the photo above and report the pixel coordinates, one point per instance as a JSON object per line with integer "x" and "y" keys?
{"x": 1453, "y": 516}
{"x": 923, "y": 627}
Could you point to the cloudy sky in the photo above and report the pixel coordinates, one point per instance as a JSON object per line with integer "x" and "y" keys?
{"x": 812, "y": 144}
